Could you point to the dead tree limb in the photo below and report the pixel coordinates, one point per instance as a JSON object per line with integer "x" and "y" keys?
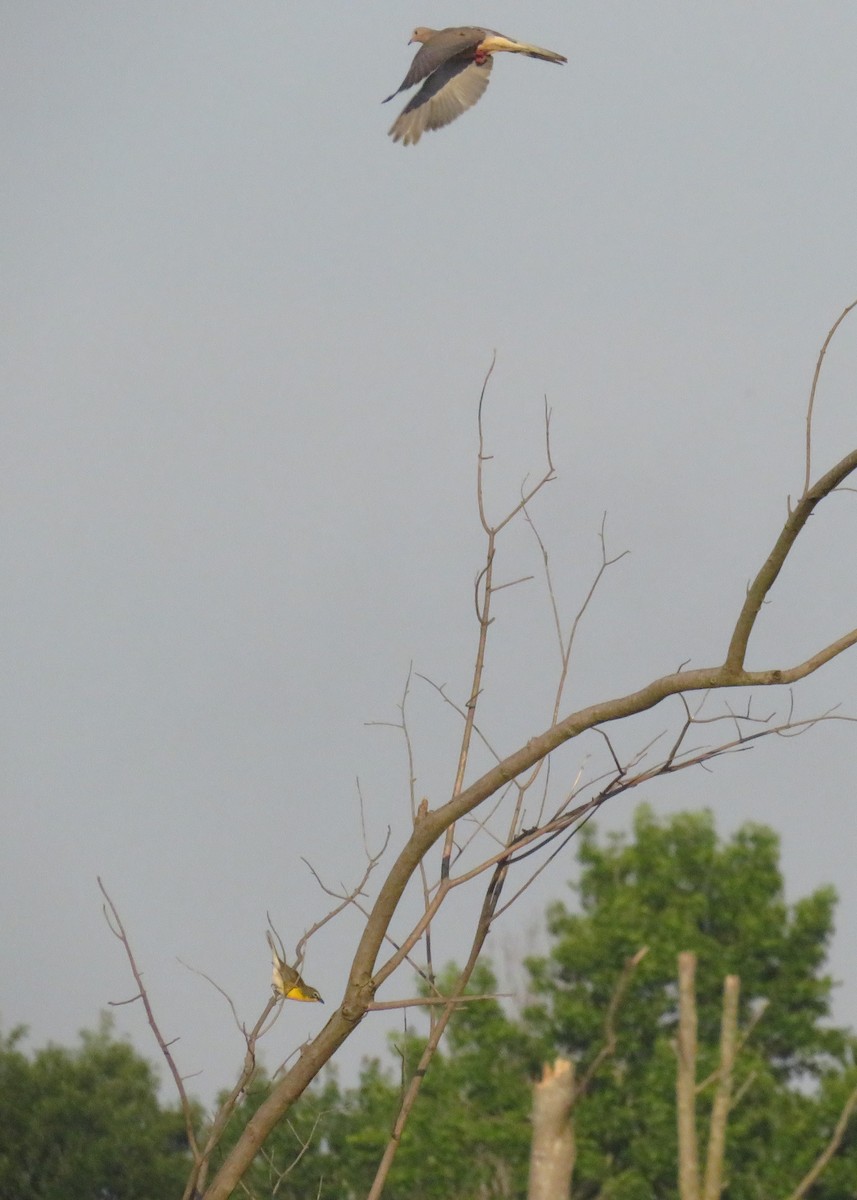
{"x": 553, "y": 1148}
{"x": 688, "y": 1153}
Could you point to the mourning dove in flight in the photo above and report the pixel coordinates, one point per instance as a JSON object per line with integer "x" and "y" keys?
{"x": 455, "y": 64}
{"x": 286, "y": 980}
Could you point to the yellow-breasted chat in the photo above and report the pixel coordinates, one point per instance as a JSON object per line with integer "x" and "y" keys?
{"x": 287, "y": 981}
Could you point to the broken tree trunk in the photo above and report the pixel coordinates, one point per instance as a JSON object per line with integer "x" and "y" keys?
{"x": 552, "y": 1153}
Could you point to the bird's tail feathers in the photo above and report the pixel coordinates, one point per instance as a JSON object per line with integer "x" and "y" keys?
{"x": 497, "y": 42}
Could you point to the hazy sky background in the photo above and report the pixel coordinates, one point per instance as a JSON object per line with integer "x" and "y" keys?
{"x": 243, "y": 341}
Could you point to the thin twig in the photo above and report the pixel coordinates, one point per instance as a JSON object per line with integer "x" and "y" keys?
{"x": 433, "y": 1001}
{"x": 829, "y": 1150}
{"x": 608, "y": 1045}
{"x": 815, "y": 378}
{"x": 114, "y": 922}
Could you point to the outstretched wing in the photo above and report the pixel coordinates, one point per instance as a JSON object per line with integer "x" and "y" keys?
{"x": 439, "y": 49}
{"x": 449, "y": 91}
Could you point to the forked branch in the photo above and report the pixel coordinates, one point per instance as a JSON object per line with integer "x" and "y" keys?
{"x": 433, "y": 826}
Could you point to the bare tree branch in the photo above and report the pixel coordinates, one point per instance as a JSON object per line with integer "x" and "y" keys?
{"x": 608, "y": 1047}
{"x": 514, "y": 773}
{"x": 713, "y": 1183}
{"x": 773, "y": 564}
{"x": 118, "y": 930}
{"x": 413, "y": 1089}
{"x": 425, "y": 1001}
{"x": 829, "y": 1150}
{"x": 810, "y": 408}
{"x": 688, "y": 1155}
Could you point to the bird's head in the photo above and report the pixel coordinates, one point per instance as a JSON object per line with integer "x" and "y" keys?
{"x": 422, "y": 34}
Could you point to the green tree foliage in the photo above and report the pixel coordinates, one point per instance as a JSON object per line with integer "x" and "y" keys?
{"x": 676, "y": 887}
{"x": 673, "y": 886}
{"x": 85, "y": 1124}
{"x": 468, "y": 1135}
{"x": 296, "y": 1159}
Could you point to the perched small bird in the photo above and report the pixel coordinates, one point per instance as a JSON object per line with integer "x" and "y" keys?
{"x": 455, "y": 64}
{"x": 287, "y": 981}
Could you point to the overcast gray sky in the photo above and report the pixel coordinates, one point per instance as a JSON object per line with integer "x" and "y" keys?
{"x": 243, "y": 341}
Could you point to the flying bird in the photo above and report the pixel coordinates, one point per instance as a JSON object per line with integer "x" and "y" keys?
{"x": 455, "y": 64}
{"x": 287, "y": 981}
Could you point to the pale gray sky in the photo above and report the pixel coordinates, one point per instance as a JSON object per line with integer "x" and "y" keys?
{"x": 243, "y": 340}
